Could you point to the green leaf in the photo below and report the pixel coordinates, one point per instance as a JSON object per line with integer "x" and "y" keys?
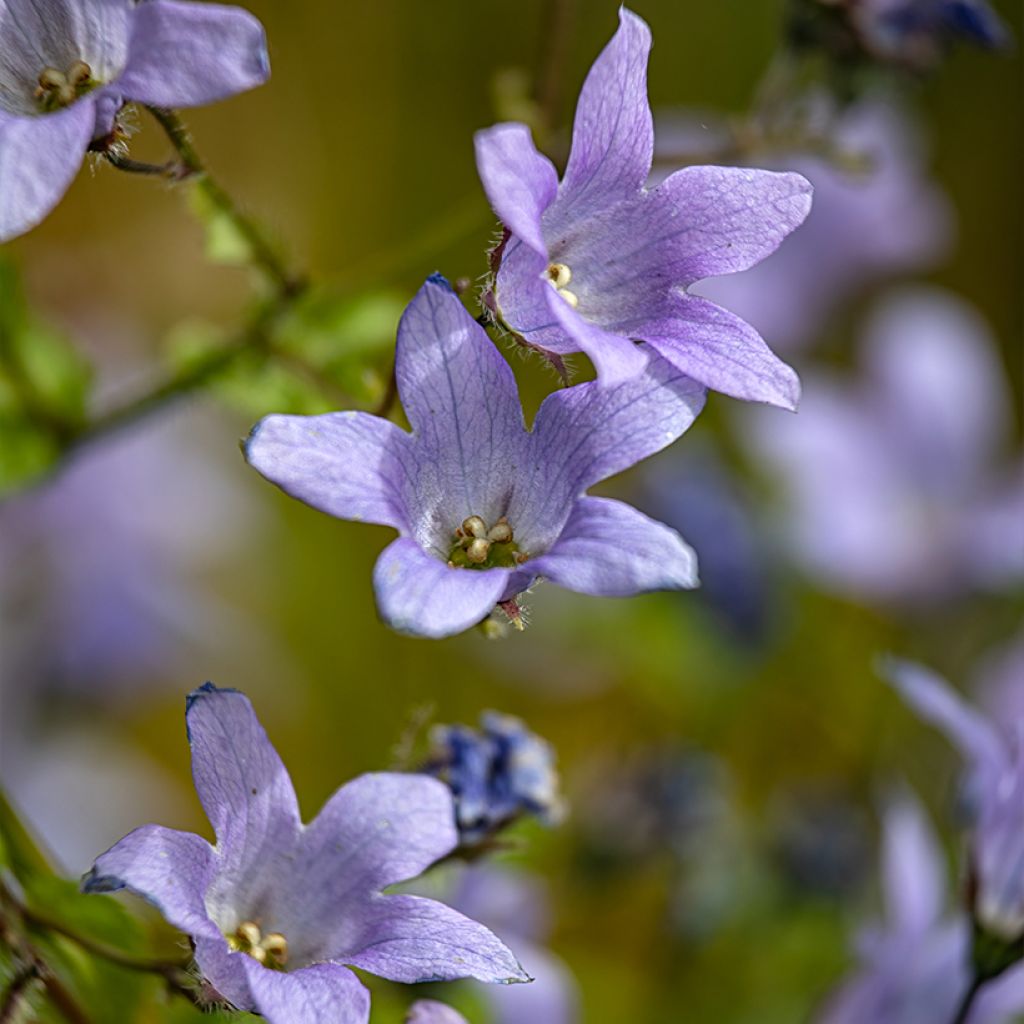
{"x": 44, "y": 387}
{"x": 224, "y": 242}
{"x": 328, "y": 353}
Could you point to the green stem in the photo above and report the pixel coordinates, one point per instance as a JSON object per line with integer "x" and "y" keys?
{"x": 263, "y": 254}
{"x": 967, "y": 1002}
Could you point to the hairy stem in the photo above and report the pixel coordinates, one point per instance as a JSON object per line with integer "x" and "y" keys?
{"x": 264, "y": 256}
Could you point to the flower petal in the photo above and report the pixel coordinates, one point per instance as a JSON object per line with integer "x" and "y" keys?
{"x": 461, "y": 399}
{"x": 609, "y": 549}
{"x": 247, "y": 795}
{"x": 320, "y": 994}
{"x": 186, "y": 54}
{"x": 937, "y": 702}
{"x": 428, "y": 1011}
{"x": 613, "y": 134}
{"x": 913, "y": 875}
{"x": 412, "y": 939}
{"x": 706, "y": 221}
{"x": 421, "y": 595}
{"x": 616, "y": 358}
{"x": 348, "y": 464}
{"x": 171, "y": 869}
{"x": 376, "y": 831}
{"x": 587, "y": 433}
{"x": 720, "y": 350}
{"x": 39, "y": 158}
{"x": 520, "y": 182}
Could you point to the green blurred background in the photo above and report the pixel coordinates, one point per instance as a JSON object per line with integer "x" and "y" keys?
{"x": 358, "y": 156}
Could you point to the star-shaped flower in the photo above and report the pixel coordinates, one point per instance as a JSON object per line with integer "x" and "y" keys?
{"x": 913, "y": 967}
{"x": 994, "y": 787}
{"x": 485, "y": 507}
{"x": 596, "y": 262}
{"x": 276, "y": 909}
{"x": 68, "y": 66}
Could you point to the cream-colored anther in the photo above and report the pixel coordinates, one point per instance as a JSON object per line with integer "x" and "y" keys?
{"x": 478, "y": 550}
{"x": 51, "y": 78}
{"x": 474, "y": 526}
{"x": 569, "y": 297}
{"x": 559, "y": 275}
{"x": 276, "y": 947}
{"x": 249, "y": 932}
{"x": 78, "y": 73}
{"x": 500, "y": 533}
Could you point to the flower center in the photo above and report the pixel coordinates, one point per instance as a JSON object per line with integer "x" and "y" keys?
{"x": 59, "y": 89}
{"x": 478, "y": 546}
{"x": 271, "y": 949}
{"x": 559, "y": 276}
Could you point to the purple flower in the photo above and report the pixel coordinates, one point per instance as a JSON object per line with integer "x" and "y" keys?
{"x": 429, "y": 1011}
{"x": 596, "y": 262}
{"x": 914, "y": 966}
{"x": 868, "y": 224}
{"x": 68, "y": 66}
{"x": 917, "y": 32}
{"x": 515, "y": 904}
{"x": 485, "y": 507}
{"x": 994, "y": 786}
{"x": 496, "y": 774}
{"x": 277, "y": 908}
{"x": 898, "y": 487}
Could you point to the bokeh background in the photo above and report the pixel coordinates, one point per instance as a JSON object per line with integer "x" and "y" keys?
{"x": 725, "y": 753}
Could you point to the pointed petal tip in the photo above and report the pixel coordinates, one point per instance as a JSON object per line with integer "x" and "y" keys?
{"x": 439, "y": 280}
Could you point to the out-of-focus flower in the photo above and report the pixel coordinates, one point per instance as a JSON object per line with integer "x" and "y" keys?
{"x": 994, "y": 787}
{"x": 905, "y": 35}
{"x": 913, "y": 967}
{"x": 1000, "y": 683}
{"x": 515, "y": 905}
{"x": 917, "y": 33}
{"x": 99, "y": 569}
{"x": 896, "y": 488}
{"x": 277, "y": 909}
{"x": 68, "y": 66}
{"x": 485, "y": 507}
{"x": 429, "y": 1011}
{"x": 869, "y": 222}
{"x": 497, "y": 774}
{"x": 595, "y": 263}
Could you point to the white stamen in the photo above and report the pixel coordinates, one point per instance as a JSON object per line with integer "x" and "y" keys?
{"x": 569, "y": 297}
{"x": 559, "y": 275}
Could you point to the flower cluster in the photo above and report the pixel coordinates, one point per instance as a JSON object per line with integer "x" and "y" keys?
{"x": 496, "y": 774}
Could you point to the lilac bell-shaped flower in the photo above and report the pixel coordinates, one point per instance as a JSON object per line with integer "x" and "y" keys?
{"x": 994, "y": 791}
{"x": 277, "y": 910}
{"x": 596, "y": 262}
{"x": 68, "y": 66}
{"x": 484, "y": 506}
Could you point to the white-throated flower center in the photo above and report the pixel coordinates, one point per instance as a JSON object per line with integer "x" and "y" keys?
{"x": 559, "y": 276}
{"x": 271, "y": 949}
{"x": 479, "y": 546}
{"x": 58, "y": 89}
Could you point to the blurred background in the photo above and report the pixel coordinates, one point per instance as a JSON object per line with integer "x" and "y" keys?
{"x": 725, "y": 754}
